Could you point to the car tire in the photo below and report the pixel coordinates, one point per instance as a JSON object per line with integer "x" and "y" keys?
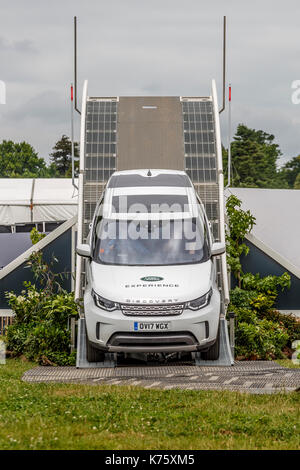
{"x": 214, "y": 351}
{"x": 93, "y": 354}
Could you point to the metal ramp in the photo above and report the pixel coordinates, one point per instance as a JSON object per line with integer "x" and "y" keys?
{"x": 225, "y": 357}
{"x": 81, "y": 360}
{"x": 181, "y": 133}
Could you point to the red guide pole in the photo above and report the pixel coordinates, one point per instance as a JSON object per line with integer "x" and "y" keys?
{"x": 71, "y": 92}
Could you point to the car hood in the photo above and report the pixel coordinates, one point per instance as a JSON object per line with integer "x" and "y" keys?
{"x": 148, "y": 284}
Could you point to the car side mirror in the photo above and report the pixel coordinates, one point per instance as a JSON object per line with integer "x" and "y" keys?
{"x": 218, "y": 248}
{"x": 83, "y": 249}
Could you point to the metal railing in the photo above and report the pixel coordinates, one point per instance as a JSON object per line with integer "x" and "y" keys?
{"x": 6, "y": 319}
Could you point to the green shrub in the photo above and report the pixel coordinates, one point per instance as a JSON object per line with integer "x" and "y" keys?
{"x": 241, "y": 298}
{"x": 261, "y": 331}
{"x": 268, "y": 284}
{"x": 239, "y": 223}
{"x": 289, "y": 322}
{"x": 40, "y": 329}
{"x": 259, "y": 339}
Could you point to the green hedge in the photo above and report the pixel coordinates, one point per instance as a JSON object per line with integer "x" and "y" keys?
{"x": 40, "y": 330}
{"x": 261, "y": 331}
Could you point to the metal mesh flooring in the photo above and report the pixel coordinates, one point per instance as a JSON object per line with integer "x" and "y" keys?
{"x": 251, "y": 377}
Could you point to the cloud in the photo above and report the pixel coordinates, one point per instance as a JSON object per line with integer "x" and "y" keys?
{"x": 46, "y": 108}
{"x": 156, "y": 48}
{"x": 24, "y": 46}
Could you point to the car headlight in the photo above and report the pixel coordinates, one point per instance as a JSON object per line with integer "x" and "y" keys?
{"x": 201, "y": 302}
{"x": 105, "y": 304}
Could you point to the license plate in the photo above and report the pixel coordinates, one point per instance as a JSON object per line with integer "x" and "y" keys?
{"x": 152, "y": 326}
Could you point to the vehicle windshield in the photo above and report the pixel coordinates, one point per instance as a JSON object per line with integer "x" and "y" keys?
{"x": 151, "y": 242}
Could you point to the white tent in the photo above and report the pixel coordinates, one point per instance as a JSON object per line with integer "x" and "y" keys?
{"x": 26, "y": 200}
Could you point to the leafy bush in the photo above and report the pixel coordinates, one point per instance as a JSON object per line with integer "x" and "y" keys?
{"x": 261, "y": 331}
{"x": 289, "y": 322}
{"x": 239, "y": 223}
{"x": 267, "y": 285}
{"x": 259, "y": 339}
{"x": 40, "y": 330}
{"x": 259, "y": 334}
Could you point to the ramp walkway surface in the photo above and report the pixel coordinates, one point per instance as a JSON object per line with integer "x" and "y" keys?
{"x": 246, "y": 376}
{"x": 180, "y": 133}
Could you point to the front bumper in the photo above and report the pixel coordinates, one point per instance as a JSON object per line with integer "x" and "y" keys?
{"x": 189, "y": 331}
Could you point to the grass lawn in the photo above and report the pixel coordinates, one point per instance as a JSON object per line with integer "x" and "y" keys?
{"x": 67, "y": 416}
{"x": 288, "y": 363}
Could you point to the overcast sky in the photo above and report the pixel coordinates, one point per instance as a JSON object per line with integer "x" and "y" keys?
{"x": 157, "y": 47}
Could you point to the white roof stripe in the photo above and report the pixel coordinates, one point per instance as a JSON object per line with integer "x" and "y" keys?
{"x": 148, "y": 190}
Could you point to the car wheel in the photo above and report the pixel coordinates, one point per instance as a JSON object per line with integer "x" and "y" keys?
{"x": 213, "y": 353}
{"x": 93, "y": 354}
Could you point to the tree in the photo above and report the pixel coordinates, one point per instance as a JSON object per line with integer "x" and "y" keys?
{"x": 254, "y": 157}
{"x": 297, "y": 182}
{"x": 61, "y": 156}
{"x": 19, "y": 160}
{"x": 291, "y": 170}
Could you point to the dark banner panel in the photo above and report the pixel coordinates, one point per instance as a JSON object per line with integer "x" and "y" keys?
{"x": 259, "y": 262}
{"x": 60, "y": 248}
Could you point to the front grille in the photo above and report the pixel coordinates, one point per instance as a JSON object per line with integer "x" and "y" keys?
{"x": 152, "y": 310}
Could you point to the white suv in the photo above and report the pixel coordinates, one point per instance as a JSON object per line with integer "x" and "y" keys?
{"x": 150, "y": 268}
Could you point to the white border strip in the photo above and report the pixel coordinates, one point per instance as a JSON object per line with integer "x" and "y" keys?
{"x": 6, "y": 312}
{"x": 38, "y": 246}
{"x": 274, "y": 255}
{"x": 221, "y": 188}
{"x": 38, "y": 204}
{"x": 81, "y": 161}
{"x": 295, "y": 313}
{"x": 80, "y": 188}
